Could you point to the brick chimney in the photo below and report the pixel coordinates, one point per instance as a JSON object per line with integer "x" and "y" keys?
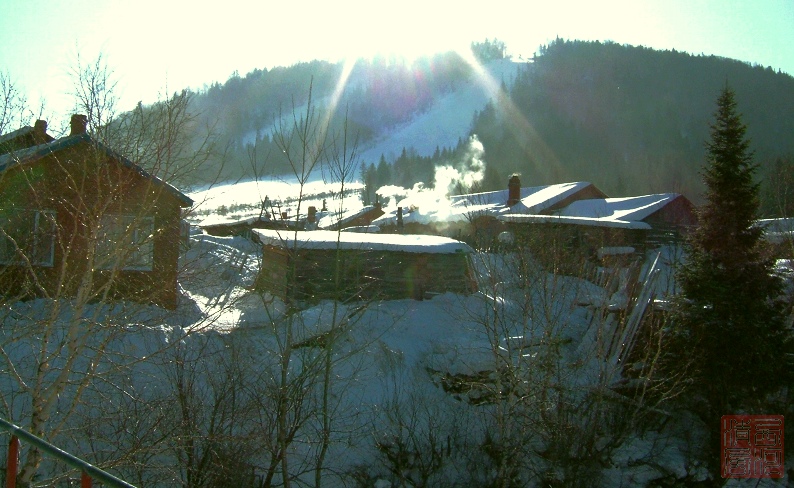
{"x": 312, "y": 217}
{"x": 513, "y": 190}
{"x": 40, "y": 132}
{"x": 79, "y": 124}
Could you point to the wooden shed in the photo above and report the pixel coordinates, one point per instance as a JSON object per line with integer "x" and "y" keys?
{"x": 314, "y": 265}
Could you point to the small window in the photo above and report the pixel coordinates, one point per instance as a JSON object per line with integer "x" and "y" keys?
{"x": 27, "y": 236}
{"x": 125, "y": 242}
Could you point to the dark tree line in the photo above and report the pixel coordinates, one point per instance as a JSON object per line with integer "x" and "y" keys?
{"x": 488, "y": 50}
{"x": 630, "y": 119}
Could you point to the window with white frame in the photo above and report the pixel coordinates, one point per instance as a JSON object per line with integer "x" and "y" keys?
{"x": 27, "y": 236}
{"x": 125, "y": 242}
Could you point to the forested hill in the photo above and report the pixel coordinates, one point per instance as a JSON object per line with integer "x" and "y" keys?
{"x": 374, "y": 96}
{"x": 630, "y": 119}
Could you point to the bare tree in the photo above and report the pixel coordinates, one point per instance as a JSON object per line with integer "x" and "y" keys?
{"x": 75, "y": 240}
{"x": 556, "y": 403}
{"x": 14, "y": 110}
{"x": 314, "y": 406}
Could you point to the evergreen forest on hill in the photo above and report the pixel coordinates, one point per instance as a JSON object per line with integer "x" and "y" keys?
{"x": 632, "y": 120}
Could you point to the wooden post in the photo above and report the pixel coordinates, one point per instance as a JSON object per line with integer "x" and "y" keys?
{"x": 12, "y": 463}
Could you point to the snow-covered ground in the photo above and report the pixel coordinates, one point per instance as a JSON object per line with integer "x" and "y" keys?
{"x": 395, "y": 355}
{"x": 517, "y": 363}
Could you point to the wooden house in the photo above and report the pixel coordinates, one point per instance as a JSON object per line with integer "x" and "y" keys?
{"x": 669, "y": 216}
{"x": 607, "y": 231}
{"x": 314, "y": 265}
{"x": 77, "y": 218}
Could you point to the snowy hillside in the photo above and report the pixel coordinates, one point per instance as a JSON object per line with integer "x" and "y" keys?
{"x": 446, "y": 121}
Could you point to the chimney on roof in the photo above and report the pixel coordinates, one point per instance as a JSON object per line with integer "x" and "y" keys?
{"x": 513, "y": 190}
{"x": 79, "y": 123}
{"x": 312, "y": 217}
{"x": 40, "y": 132}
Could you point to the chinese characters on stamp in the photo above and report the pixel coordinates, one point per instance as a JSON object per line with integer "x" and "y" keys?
{"x": 752, "y": 446}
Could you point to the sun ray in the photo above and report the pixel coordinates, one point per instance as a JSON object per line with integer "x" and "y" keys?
{"x": 347, "y": 68}
{"x": 534, "y": 147}
{"x": 341, "y": 84}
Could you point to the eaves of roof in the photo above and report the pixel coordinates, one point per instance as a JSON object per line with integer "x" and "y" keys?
{"x": 35, "y": 153}
{"x": 585, "y": 221}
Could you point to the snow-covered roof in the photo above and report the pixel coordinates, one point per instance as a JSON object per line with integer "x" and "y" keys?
{"x": 461, "y": 208}
{"x": 424, "y": 214}
{"x": 216, "y": 219}
{"x": 371, "y": 229}
{"x": 785, "y": 224}
{"x": 589, "y": 221}
{"x": 17, "y": 133}
{"x": 534, "y": 199}
{"x": 334, "y": 220}
{"x": 777, "y": 231}
{"x": 633, "y": 209}
{"x": 323, "y": 239}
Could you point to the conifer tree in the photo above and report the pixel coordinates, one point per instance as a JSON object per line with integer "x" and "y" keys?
{"x": 731, "y": 323}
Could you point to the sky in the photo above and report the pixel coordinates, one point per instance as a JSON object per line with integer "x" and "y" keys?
{"x": 156, "y": 47}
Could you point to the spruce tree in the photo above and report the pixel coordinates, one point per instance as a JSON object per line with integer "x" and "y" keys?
{"x": 731, "y": 322}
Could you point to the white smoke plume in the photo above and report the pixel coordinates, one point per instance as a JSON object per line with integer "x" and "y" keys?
{"x": 434, "y": 202}
{"x": 466, "y": 172}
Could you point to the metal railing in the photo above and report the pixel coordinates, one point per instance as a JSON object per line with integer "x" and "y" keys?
{"x": 89, "y": 471}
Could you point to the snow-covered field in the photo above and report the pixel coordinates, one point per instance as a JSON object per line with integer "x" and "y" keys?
{"x": 393, "y": 359}
{"x": 396, "y": 364}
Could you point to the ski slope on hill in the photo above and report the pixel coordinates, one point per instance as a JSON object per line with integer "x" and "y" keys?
{"x": 449, "y": 118}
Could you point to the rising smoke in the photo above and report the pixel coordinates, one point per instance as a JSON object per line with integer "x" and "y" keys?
{"x": 466, "y": 174}
{"x": 449, "y": 179}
